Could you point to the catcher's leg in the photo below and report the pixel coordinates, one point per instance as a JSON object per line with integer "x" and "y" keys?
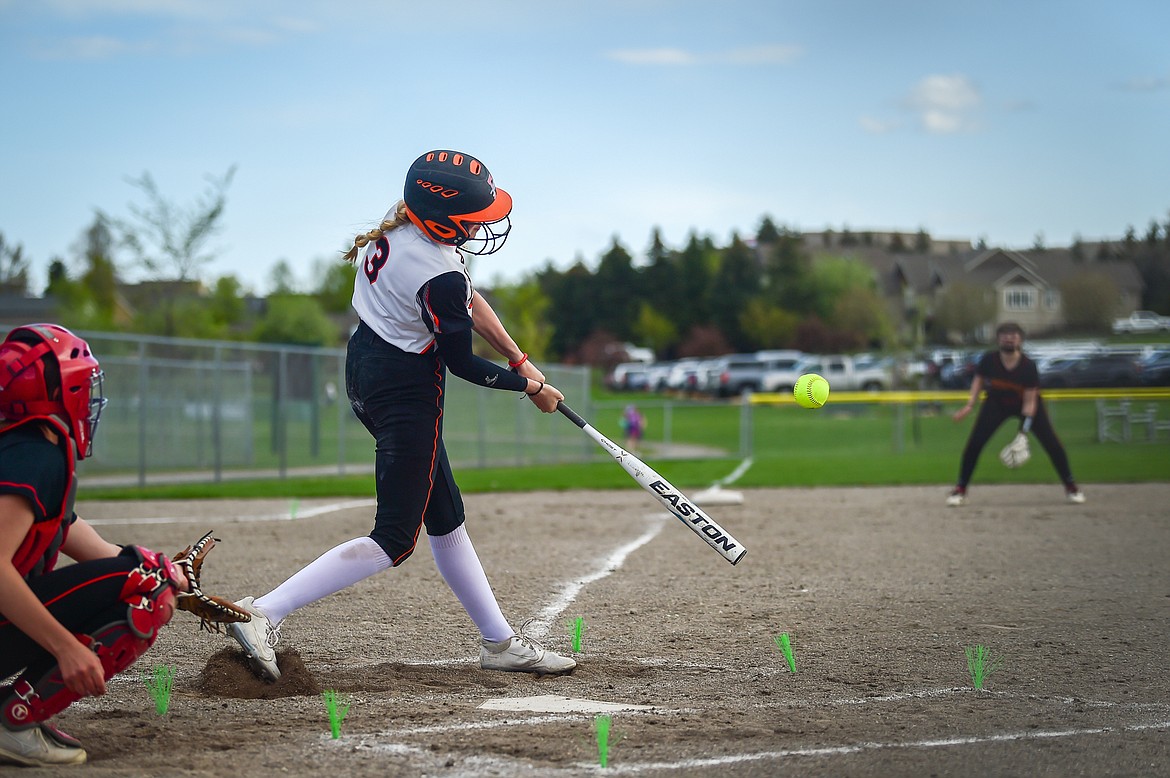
{"x": 132, "y": 594}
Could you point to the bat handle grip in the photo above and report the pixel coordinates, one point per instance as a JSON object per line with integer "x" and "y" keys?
{"x": 571, "y": 414}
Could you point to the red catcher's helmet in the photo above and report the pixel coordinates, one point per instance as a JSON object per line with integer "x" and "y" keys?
{"x": 46, "y": 370}
{"x": 448, "y": 194}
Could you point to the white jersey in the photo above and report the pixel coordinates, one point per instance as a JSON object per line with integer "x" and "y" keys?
{"x": 392, "y": 272}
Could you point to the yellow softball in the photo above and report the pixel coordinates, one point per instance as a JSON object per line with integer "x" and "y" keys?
{"x": 811, "y": 391}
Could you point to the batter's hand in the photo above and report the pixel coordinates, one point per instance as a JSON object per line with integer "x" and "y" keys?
{"x": 547, "y": 398}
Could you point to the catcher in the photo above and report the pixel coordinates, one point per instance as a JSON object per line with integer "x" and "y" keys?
{"x": 67, "y": 630}
{"x": 1012, "y": 382}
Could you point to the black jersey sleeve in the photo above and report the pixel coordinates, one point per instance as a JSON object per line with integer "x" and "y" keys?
{"x": 455, "y": 349}
{"x": 443, "y": 301}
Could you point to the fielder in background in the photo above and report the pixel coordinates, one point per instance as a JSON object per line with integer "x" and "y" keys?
{"x": 65, "y": 631}
{"x": 1013, "y": 390}
{"x": 418, "y": 309}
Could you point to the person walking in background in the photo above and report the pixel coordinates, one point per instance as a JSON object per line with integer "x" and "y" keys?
{"x": 64, "y": 632}
{"x": 417, "y": 309}
{"x": 633, "y": 427}
{"x": 1012, "y": 382}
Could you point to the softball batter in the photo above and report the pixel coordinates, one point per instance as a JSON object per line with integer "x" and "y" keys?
{"x": 417, "y": 310}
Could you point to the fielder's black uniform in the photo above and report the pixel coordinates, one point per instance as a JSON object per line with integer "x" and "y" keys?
{"x": 1005, "y": 399}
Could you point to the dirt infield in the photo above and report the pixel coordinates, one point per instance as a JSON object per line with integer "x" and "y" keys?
{"x": 880, "y": 590}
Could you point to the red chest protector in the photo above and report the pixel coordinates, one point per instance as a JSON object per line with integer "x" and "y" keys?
{"x": 38, "y": 552}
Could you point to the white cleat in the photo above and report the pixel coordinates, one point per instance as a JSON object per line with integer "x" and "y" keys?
{"x": 37, "y": 746}
{"x": 956, "y": 498}
{"x": 522, "y": 654}
{"x": 1075, "y": 496}
{"x": 258, "y": 638}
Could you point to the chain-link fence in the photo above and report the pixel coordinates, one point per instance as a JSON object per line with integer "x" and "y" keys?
{"x": 197, "y": 410}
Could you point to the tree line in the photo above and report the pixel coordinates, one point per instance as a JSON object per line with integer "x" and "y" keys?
{"x": 765, "y": 292}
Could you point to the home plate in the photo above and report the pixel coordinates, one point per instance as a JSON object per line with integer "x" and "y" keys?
{"x": 554, "y": 703}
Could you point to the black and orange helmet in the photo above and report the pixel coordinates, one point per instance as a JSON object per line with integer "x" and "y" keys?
{"x": 448, "y": 194}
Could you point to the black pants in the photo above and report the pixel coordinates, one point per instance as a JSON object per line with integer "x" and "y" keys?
{"x": 398, "y": 396}
{"x": 83, "y": 597}
{"x": 991, "y": 416}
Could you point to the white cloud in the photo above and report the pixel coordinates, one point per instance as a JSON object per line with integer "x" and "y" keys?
{"x": 945, "y": 104}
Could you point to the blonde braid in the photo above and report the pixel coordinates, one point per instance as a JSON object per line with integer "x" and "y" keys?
{"x": 363, "y": 239}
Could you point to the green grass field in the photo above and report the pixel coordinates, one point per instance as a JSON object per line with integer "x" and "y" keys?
{"x": 840, "y": 445}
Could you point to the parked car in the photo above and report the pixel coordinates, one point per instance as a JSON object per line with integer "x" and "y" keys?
{"x": 959, "y": 373}
{"x": 1156, "y": 371}
{"x": 629, "y": 377}
{"x": 844, "y": 374}
{"x": 732, "y": 375}
{"x": 1142, "y": 321}
{"x": 1091, "y": 370}
{"x": 683, "y": 376}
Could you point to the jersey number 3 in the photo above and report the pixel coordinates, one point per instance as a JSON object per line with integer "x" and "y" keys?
{"x": 376, "y": 259}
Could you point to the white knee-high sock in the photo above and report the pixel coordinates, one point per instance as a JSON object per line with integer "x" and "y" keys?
{"x": 459, "y": 565}
{"x": 339, "y": 567}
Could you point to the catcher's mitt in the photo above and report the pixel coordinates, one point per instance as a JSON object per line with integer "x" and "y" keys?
{"x": 1016, "y": 453}
{"x": 211, "y": 609}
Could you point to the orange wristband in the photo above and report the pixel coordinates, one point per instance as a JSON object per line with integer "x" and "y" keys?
{"x": 514, "y": 365}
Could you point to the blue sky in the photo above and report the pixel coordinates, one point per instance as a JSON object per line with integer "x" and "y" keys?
{"x": 1002, "y": 120}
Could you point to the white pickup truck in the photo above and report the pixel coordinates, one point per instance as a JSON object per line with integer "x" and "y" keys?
{"x": 844, "y": 374}
{"x": 1142, "y": 321}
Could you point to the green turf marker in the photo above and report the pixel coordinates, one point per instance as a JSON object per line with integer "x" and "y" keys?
{"x": 159, "y": 684}
{"x": 782, "y": 640}
{"x": 337, "y": 708}
{"x": 980, "y": 664}
{"x": 602, "y": 725}
{"x": 578, "y": 631}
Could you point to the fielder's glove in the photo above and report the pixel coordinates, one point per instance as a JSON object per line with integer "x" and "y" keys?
{"x": 1016, "y": 453}
{"x": 211, "y": 609}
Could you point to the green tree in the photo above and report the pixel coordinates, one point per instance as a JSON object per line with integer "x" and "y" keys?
{"x": 616, "y": 291}
{"x": 830, "y": 278}
{"x": 524, "y": 310}
{"x": 335, "y": 291}
{"x": 660, "y": 280}
{"x": 13, "y": 269}
{"x": 695, "y": 266}
{"x": 860, "y": 315}
{"x": 767, "y": 326}
{"x": 295, "y": 319}
{"x": 74, "y": 303}
{"x": 655, "y": 330}
{"x": 226, "y": 303}
{"x": 962, "y": 307}
{"x": 1089, "y": 301}
{"x": 281, "y": 279}
{"x": 736, "y": 282}
{"x": 922, "y": 241}
{"x": 168, "y": 239}
{"x": 572, "y": 311}
{"x": 100, "y": 278}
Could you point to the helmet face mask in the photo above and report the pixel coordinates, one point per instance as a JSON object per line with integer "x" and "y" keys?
{"x": 451, "y": 197}
{"x": 46, "y": 370}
